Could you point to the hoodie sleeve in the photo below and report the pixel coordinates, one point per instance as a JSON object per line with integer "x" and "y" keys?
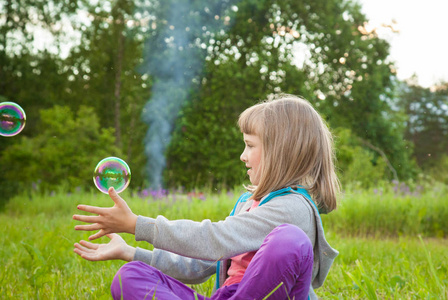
{"x": 184, "y": 269}
{"x": 237, "y": 234}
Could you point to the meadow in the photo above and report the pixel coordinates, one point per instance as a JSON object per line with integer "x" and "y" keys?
{"x": 392, "y": 242}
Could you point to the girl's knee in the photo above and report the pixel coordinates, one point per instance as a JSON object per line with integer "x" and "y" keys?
{"x": 288, "y": 239}
{"x": 129, "y": 269}
{"x": 127, "y": 278}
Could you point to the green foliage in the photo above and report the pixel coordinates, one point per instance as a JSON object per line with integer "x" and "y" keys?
{"x": 357, "y": 165}
{"x": 439, "y": 171}
{"x": 427, "y": 121}
{"x": 24, "y": 69}
{"x": 347, "y": 78}
{"x": 102, "y": 72}
{"x": 89, "y": 76}
{"x": 363, "y": 171}
{"x": 346, "y": 75}
{"x": 206, "y": 145}
{"x": 65, "y": 151}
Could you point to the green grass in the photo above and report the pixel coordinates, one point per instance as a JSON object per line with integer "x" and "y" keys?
{"x": 376, "y": 261}
{"x": 388, "y": 212}
{"x": 388, "y": 268}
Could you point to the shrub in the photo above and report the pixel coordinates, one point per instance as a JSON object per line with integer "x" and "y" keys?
{"x": 65, "y": 151}
{"x": 357, "y": 166}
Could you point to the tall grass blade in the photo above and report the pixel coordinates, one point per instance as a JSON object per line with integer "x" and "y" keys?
{"x": 273, "y": 291}
{"x": 121, "y": 287}
{"x": 364, "y": 282}
{"x": 439, "y": 285}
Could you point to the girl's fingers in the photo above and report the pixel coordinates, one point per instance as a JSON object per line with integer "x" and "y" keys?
{"x": 87, "y": 219}
{"x": 111, "y": 235}
{"x": 78, "y": 251}
{"x": 91, "y": 227}
{"x": 97, "y": 235}
{"x": 89, "y": 257}
{"x": 89, "y": 245}
{"x": 81, "y": 252}
{"x": 86, "y": 256}
{"x": 92, "y": 209}
{"x": 114, "y": 196}
{"x": 83, "y": 249}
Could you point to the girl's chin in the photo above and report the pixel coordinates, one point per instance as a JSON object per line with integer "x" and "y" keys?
{"x": 253, "y": 181}
{"x": 251, "y": 177}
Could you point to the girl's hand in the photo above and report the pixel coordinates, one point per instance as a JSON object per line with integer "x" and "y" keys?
{"x": 116, "y": 219}
{"x": 115, "y": 249}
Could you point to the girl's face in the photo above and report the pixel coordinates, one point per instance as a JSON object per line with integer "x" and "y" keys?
{"x": 251, "y": 156}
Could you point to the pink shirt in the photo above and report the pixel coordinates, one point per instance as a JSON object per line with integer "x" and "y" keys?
{"x": 240, "y": 262}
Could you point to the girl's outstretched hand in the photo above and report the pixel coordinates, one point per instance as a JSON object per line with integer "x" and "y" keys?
{"x": 116, "y": 219}
{"x": 115, "y": 249}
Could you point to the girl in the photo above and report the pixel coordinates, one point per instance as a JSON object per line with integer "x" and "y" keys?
{"x": 272, "y": 239}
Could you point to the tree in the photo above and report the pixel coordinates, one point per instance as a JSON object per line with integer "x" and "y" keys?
{"x": 427, "y": 120}
{"x": 100, "y": 71}
{"x": 344, "y": 74}
{"x": 22, "y": 66}
{"x": 29, "y": 76}
{"x": 103, "y": 73}
{"x": 64, "y": 152}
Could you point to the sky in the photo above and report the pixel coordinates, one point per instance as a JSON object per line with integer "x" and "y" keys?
{"x": 421, "y": 46}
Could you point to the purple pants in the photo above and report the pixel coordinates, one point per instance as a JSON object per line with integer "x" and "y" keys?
{"x": 286, "y": 255}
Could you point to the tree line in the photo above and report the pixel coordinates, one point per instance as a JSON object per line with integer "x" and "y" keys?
{"x": 204, "y": 62}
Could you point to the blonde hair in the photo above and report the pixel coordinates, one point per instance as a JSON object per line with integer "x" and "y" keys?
{"x": 297, "y": 149}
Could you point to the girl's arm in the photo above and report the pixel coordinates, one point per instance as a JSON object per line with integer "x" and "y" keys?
{"x": 187, "y": 270}
{"x": 204, "y": 240}
{"x": 184, "y": 269}
{"x": 237, "y": 234}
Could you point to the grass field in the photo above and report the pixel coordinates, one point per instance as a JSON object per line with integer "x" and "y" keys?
{"x": 392, "y": 245}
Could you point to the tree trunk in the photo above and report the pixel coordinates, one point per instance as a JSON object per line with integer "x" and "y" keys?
{"x": 131, "y": 132}
{"x": 117, "y": 92}
{"x": 4, "y": 33}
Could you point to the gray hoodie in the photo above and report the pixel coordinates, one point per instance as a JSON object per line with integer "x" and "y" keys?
{"x": 189, "y": 251}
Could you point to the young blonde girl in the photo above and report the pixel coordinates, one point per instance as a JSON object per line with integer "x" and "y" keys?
{"x": 272, "y": 239}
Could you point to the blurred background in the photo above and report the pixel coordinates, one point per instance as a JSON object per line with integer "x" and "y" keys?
{"x": 160, "y": 84}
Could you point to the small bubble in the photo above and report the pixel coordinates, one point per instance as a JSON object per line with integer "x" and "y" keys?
{"x": 12, "y": 119}
{"x": 112, "y": 172}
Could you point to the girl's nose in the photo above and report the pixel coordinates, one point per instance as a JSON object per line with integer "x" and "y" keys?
{"x": 243, "y": 157}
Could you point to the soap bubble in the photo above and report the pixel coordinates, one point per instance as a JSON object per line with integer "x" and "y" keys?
{"x": 12, "y": 119}
{"x": 112, "y": 172}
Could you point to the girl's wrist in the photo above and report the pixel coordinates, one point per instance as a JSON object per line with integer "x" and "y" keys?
{"x": 128, "y": 253}
{"x": 132, "y": 223}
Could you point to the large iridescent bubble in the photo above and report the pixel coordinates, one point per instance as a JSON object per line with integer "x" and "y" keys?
{"x": 12, "y": 119}
{"x": 112, "y": 172}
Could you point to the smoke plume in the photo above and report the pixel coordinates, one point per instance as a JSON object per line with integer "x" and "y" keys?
{"x": 175, "y": 53}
